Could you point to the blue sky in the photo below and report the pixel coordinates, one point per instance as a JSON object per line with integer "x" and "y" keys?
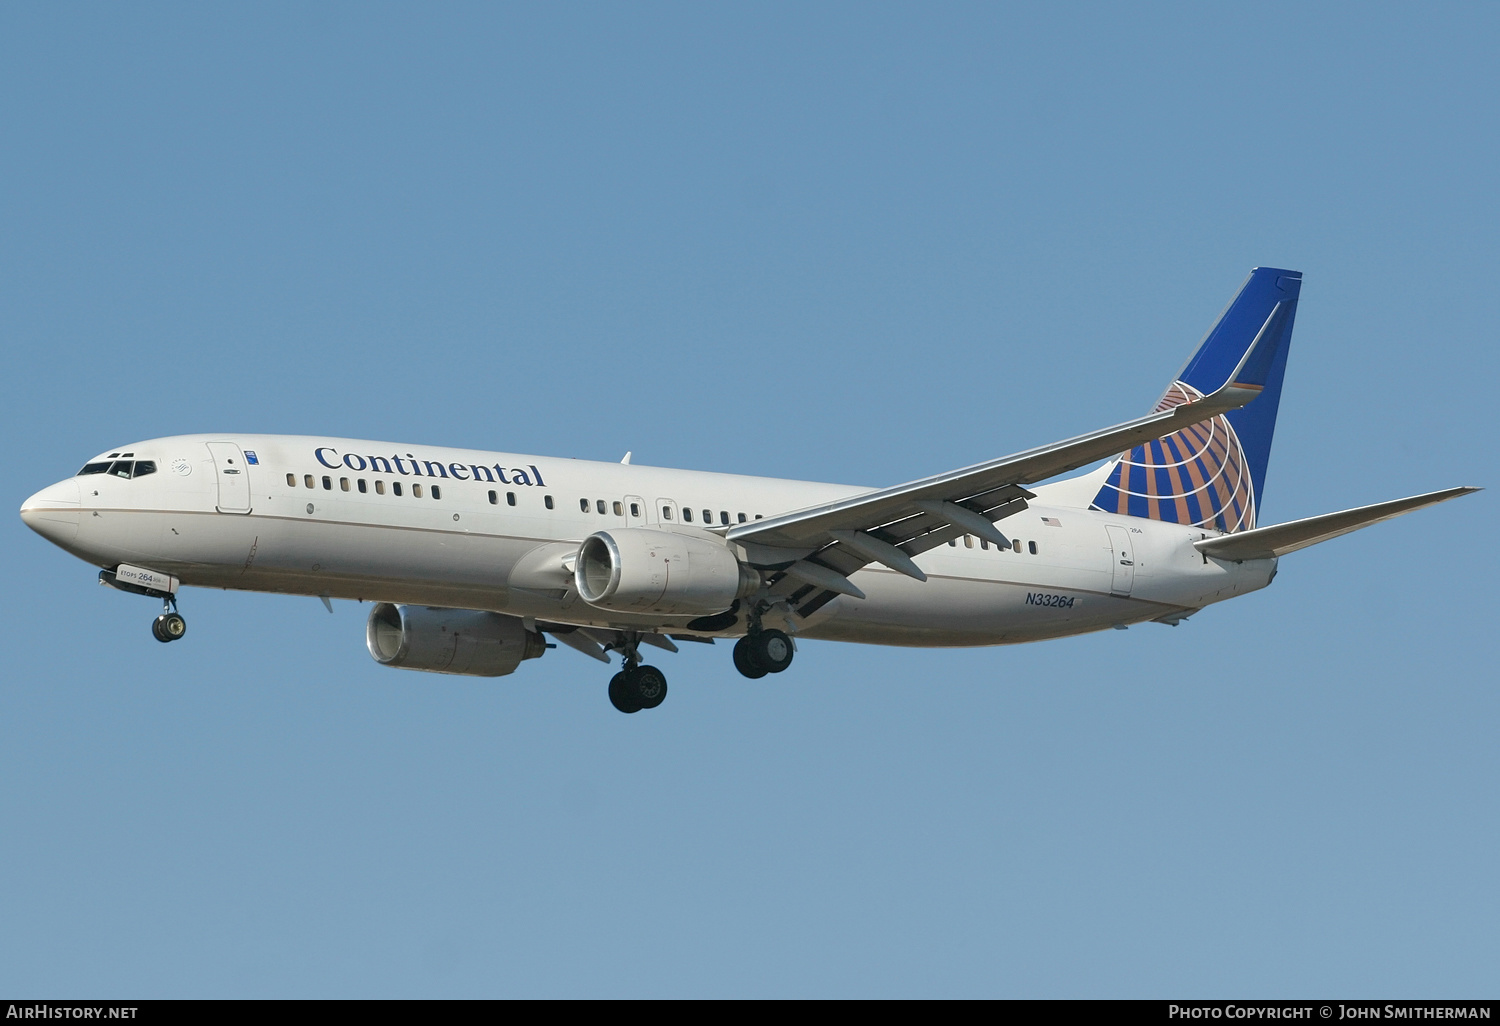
{"x": 856, "y": 243}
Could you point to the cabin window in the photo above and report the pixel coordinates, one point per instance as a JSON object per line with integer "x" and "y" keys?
{"x": 1032, "y": 547}
{"x": 741, "y": 516}
{"x": 307, "y": 479}
{"x": 953, "y": 542}
{"x": 379, "y": 487}
{"x": 1016, "y": 545}
{"x": 395, "y": 487}
{"x": 362, "y": 488}
{"x": 327, "y": 483}
{"x": 494, "y": 499}
{"x": 599, "y": 506}
{"x": 291, "y": 479}
{"x": 759, "y": 517}
{"x": 437, "y": 491}
{"x": 619, "y": 508}
{"x": 416, "y": 491}
{"x": 687, "y": 514}
{"x": 724, "y": 516}
{"x": 968, "y": 541}
{"x": 708, "y": 516}
{"x": 666, "y": 512}
{"x": 635, "y": 509}
{"x": 343, "y": 484}
{"x": 510, "y": 498}
{"x": 983, "y": 544}
{"x": 547, "y": 501}
{"x": 583, "y": 505}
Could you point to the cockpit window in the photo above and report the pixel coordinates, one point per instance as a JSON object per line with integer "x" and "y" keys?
{"x": 120, "y": 468}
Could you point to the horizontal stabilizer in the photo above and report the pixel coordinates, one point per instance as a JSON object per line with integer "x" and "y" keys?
{"x": 1279, "y": 539}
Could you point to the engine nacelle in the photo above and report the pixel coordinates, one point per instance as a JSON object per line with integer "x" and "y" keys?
{"x": 646, "y": 570}
{"x": 463, "y": 641}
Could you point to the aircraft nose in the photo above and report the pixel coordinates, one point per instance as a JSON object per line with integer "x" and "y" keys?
{"x": 53, "y": 512}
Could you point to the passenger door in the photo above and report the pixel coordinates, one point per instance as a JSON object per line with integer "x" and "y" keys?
{"x": 1122, "y": 558}
{"x": 233, "y": 477}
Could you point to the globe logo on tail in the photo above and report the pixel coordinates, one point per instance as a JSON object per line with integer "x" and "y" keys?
{"x": 1196, "y": 476}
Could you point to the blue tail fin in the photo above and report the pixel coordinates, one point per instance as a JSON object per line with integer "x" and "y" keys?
{"x": 1214, "y": 473}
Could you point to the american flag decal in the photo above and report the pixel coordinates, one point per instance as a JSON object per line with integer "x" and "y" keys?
{"x": 1052, "y": 521}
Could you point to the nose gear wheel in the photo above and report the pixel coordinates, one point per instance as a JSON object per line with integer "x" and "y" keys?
{"x": 168, "y": 626}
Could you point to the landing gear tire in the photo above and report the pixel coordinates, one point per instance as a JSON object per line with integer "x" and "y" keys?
{"x": 745, "y": 661}
{"x": 168, "y": 627}
{"x": 650, "y": 686}
{"x": 622, "y": 693}
{"x": 773, "y": 650}
{"x": 637, "y": 688}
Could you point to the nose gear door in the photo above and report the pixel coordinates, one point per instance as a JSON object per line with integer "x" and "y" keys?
{"x": 233, "y": 477}
{"x": 1122, "y": 558}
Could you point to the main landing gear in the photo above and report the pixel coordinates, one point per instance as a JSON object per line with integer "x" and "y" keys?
{"x": 761, "y": 652}
{"x": 636, "y": 687}
{"x": 170, "y": 625}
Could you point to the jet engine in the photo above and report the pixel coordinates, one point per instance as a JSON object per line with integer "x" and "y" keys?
{"x": 464, "y": 641}
{"x": 646, "y": 570}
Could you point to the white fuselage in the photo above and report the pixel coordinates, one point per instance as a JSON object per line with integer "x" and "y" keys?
{"x": 308, "y": 518}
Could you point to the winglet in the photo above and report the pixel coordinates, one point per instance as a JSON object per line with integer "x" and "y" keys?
{"x": 1248, "y": 379}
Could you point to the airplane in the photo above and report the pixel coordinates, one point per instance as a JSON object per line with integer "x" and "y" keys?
{"x": 472, "y": 559}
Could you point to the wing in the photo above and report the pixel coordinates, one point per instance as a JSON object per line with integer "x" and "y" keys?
{"x": 1279, "y": 539}
{"x": 598, "y": 642}
{"x": 816, "y": 549}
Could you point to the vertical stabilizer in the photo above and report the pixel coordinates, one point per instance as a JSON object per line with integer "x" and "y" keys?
{"x": 1213, "y": 474}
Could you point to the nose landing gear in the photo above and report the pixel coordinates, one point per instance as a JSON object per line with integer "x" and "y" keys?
{"x": 170, "y": 625}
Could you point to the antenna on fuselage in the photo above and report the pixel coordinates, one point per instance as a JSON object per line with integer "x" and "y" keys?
{"x": 626, "y": 460}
